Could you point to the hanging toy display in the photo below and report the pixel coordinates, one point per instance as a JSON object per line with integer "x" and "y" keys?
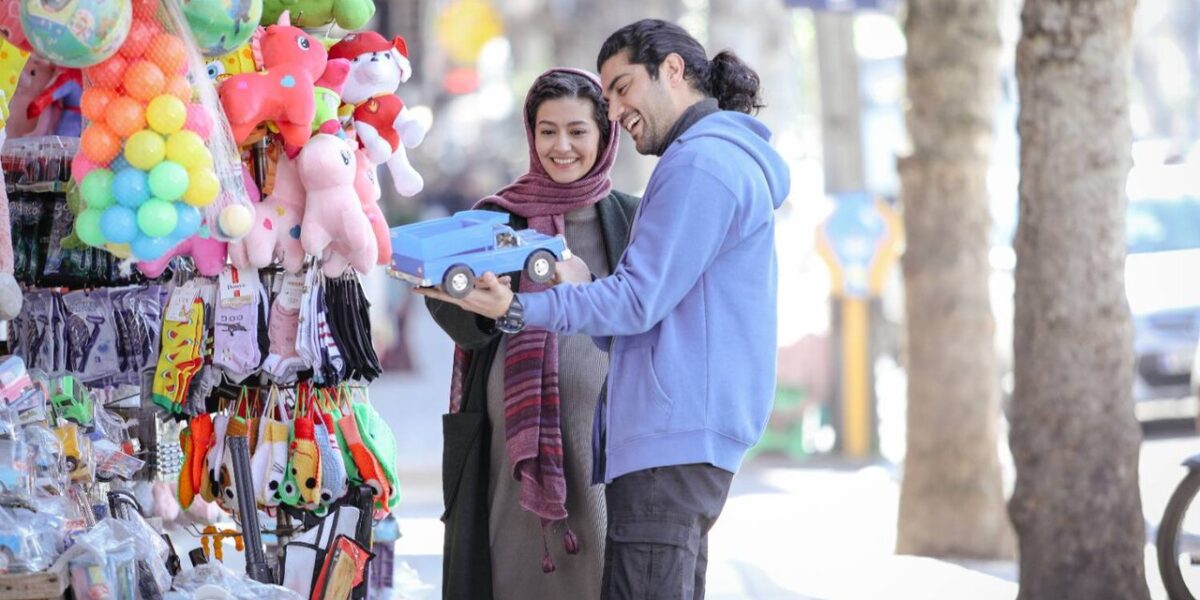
{"x": 220, "y": 26}
{"x": 155, "y": 162}
{"x": 76, "y": 33}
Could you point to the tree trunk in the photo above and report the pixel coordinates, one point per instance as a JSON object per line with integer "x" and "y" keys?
{"x": 1074, "y": 438}
{"x": 951, "y": 499}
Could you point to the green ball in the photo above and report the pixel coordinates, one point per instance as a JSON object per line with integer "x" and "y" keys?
{"x": 87, "y": 227}
{"x": 168, "y": 180}
{"x": 96, "y": 188}
{"x": 156, "y": 218}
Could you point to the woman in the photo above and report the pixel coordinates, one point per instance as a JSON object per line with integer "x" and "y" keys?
{"x": 528, "y": 486}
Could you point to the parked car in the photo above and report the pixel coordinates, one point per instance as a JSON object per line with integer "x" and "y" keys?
{"x": 451, "y": 252}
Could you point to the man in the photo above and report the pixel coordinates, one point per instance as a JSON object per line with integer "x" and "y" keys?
{"x": 690, "y": 307}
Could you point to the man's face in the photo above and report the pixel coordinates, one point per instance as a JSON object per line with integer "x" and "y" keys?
{"x": 643, "y": 106}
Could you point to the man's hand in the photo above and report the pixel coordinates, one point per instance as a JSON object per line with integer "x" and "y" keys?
{"x": 491, "y": 297}
{"x": 572, "y": 270}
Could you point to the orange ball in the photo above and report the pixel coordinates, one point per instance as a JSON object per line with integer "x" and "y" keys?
{"x": 107, "y": 74}
{"x": 94, "y": 102}
{"x": 144, "y": 80}
{"x": 168, "y": 52}
{"x": 141, "y": 32}
{"x": 126, "y": 116}
{"x": 145, "y": 9}
{"x": 179, "y": 87}
{"x": 99, "y": 144}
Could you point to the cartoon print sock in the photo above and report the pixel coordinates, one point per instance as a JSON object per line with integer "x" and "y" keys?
{"x": 333, "y": 476}
{"x": 306, "y": 464}
{"x": 235, "y": 348}
{"x": 260, "y": 460}
{"x": 201, "y": 427}
{"x": 378, "y": 438}
{"x": 277, "y": 441}
{"x": 184, "y": 489}
{"x": 331, "y": 418}
{"x": 181, "y": 356}
{"x": 211, "y": 477}
{"x": 368, "y": 467}
{"x": 227, "y": 491}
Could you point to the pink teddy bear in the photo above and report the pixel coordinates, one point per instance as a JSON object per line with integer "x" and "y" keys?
{"x": 367, "y": 185}
{"x": 335, "y": 227}
{"x": 276, "y": 229}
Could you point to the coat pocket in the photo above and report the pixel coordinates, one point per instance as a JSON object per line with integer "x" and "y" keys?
{"x": 639, "y": 406}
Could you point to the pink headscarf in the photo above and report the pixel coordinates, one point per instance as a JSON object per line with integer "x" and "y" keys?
{"x": 544, "y": 201}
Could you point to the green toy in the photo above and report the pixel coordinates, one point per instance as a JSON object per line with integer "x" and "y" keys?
{"x": 350, "y": 15}
{"x": 71, "y": 401}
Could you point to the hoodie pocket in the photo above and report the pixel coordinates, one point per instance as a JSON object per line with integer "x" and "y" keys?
{"x": 639, "y": 405}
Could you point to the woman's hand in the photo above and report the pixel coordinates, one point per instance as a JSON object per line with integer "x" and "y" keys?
{"x": 572, "y": 270}
{"x": 491, "y": 297}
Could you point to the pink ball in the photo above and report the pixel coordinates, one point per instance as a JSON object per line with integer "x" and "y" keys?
{"x": 199, "y": 120}
{"x": 81, "y": 166}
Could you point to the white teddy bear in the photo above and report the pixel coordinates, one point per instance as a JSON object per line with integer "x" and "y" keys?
{"x": 384, "y": 126}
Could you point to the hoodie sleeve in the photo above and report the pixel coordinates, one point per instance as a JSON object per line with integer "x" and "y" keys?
{"x": 684, "y": 223}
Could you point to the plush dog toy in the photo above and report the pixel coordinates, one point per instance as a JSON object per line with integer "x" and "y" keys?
{"x": 334, "y": 226}
{"x": 383, "y": 125}
{"x": 276, "y": 229}
{"x": 283, "y": 93}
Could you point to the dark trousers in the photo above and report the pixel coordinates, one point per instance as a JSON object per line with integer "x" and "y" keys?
{"x": 658, "y": 522}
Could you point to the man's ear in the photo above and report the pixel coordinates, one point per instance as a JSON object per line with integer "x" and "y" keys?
{"x": 672, "y": 69}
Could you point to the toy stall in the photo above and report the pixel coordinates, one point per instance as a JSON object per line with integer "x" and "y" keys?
{"x": 191, "y": 200}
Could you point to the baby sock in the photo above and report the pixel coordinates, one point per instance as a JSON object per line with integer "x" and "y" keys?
{"x": 379, "y": 440}
{"x": 368, "y": 467}
{"x": 202, "y": 440}
{"x": 277, "y": 442}
{"x": 260, "y": 461}
{"x": 236, "y": 346}
{"x": 211, "y": 477}
{"x": 227, "y": 491}
{"x": 185, "y": 491}
{"x": 333, "y": 476}
{"x": 336, "y": 440}
{"x": 306, "y": 463}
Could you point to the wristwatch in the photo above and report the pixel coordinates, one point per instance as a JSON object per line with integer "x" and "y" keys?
{"x": 512, "y": 321}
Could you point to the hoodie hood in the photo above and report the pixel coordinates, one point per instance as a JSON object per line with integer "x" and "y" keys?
{"x": 750, "y": 135}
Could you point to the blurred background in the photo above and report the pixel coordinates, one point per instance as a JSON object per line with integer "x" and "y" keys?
{"x": 816, "y": 506}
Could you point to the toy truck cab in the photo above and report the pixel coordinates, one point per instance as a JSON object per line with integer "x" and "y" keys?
{"x": 451, "y": 252}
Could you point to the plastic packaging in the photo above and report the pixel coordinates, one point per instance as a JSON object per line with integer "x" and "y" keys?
{"x": 236, "y": 585}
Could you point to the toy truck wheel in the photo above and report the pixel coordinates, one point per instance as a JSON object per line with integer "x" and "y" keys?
{"x": 458, "y": 281}
{"x": 539, "y": 267}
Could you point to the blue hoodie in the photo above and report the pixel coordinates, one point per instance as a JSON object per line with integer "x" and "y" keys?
{"x": 690, "y": 306}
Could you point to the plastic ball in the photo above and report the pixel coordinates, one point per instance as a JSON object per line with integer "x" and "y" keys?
{"x": 179, "y": 87}
{"x": 145, "y": 9}
{"x": 97, "y": 188}
{"x": 187, "y": 221}
{"x": 125, "y": 116}
{"x": 119, "y": 163}
{"x": 145, "y": 149}
{"x": 76, "y": 34}
{"x": 87, "y": 227}
{"x": 119, "y": 224}
{"x": 168, "y": 180}
{"x": 156, "y": 218}
{"x": 235, "y": 221}
{"x": 203, "y": 187}
{"x": 220, "y": 26}
{"x": 81, "y": 165}
{"x": 141, "y": 32}
{"x": 166, "y": 114}
{"x": 186, "y": 148}
{"x": 94, "y": 101}
{"x": 146, "y": 247}
{"x": 144, "y": 80}
{"x": 109, "y": 73}
{"x": 99, "y": 143}
{"x": 121, "y": 251}
{"x": 130, "y": 187}
{"x": 168, "y": 52}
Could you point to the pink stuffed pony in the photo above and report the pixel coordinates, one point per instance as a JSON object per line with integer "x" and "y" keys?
{"x": 334, "y": 227}
{"x": 283, "y": 93}
{"x": 367, "y": 185}
{"x": 276, "y": 229}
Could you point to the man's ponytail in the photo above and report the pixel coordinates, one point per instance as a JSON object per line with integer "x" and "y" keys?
{"x": 734, "y": 84}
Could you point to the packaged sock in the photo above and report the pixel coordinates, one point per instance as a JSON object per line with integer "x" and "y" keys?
{"x": 235, "y": 347}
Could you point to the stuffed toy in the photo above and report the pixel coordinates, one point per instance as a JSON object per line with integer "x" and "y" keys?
{"x": 383, "y": 125}
{"x": 283, "y": 93}
{"x": 333, "y": 216}
{"x": 35, "y": 77}
{"x": 10, "y": 290}
{"x": 366, "y": 184}
{"x": 276, "y": 229}
{"x": 64, "y": 93}
{"x": 348, "y": 14}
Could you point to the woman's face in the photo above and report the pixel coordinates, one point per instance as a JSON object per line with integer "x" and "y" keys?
{"x": 566, "y": 138}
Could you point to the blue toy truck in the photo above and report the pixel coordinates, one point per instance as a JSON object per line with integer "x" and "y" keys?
{"x": 450, "y": 252}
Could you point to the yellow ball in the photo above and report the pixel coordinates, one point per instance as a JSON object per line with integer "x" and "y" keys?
{"x": 145, "y": 149}
{"x": 121, "y": 251}
{"x": 203, "y": 187}
{"x": 235, "y": 220}
{"x": 166, "y": 114}
{"x": 188, "y": 149}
